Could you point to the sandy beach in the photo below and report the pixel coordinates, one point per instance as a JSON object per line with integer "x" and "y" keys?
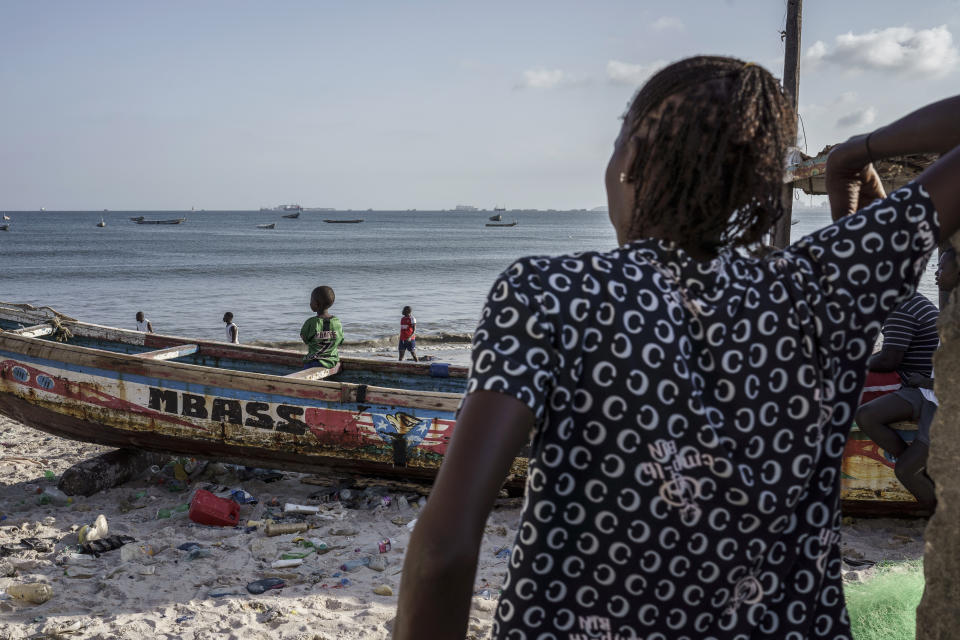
{"x": 153, "y": 589}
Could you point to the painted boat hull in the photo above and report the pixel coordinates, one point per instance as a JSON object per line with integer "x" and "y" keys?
{"x": 266, "y": 420}
{"x": 386, "y": 418}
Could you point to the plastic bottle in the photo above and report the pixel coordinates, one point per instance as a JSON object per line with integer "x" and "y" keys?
{"x": 299, "y": 508}
{"x": 169, "y": 513}
{"x": 353, "y": 565}
{"x": 52, "y": 495}
{"x": 288, "y": 527}
{"x": 199, "y": 553}
{"x": 35, "y": 592}
{"x": 280, "y": 564}
{"x": 296, "y": 555}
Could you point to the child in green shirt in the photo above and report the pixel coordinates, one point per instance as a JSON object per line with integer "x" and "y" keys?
{"x": 322, "y": 333}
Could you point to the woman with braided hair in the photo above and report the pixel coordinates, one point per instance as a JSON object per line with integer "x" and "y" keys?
{"x": 686, "y": 402}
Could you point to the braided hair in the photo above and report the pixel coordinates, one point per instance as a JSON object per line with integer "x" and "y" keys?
{"x": 711, "y": 170}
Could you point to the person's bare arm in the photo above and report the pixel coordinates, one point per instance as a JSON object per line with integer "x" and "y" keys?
{"x": 441, "y": 561}
{"x": 931, "y": 129}
{"x": 885, "y": 360}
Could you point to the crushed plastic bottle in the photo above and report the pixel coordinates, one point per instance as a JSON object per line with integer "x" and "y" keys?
{"x": 299, "y": 508}
{"x": 353, "y": 565}
{"x": 285, "y": 527}
{"x": 196, "y": 554}
{"x": 281, "y": 564}
{"x": 35, "y": 592}
{"x": 169, "y": 513}
{"x": 52, "y": 495}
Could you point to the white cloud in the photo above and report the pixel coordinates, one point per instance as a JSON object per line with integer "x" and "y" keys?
{"x": 545, "y": 79}
{"x": 632, "y": 74}
{"x": 665, "y": 23}
{"x": 858, "y": 119}
{"x": 896, "y": 49}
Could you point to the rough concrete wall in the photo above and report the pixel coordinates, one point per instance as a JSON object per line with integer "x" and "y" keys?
{"x": 938, "y": 616}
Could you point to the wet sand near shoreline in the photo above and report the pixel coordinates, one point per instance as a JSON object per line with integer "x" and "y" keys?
{"x": 168, "y": 595}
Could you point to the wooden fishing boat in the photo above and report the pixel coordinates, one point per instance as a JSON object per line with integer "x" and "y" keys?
{"x": 355, "y": 221}
{"x": 272, "y": 225}
{"x": 257, "y": 406}
{"x": 502, "y": 224}
{"x": 174, "y": 221}
{"x": 292, "y": 216}
{"x": 245, "y": 404}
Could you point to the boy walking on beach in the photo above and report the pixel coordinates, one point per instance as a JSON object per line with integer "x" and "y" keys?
{"x": 322, "y": 333}
{"x": 233, "y": 331}
{"x": 408, "y": 334}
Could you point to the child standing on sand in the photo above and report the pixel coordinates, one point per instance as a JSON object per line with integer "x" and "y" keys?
{"x": 408, "y": 334}
{"x": 322, "y": 333}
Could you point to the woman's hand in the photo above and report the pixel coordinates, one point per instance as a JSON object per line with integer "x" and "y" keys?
{"x": 852, "y": 182}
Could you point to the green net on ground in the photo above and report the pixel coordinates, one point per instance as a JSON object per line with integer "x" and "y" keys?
{"x": 885, "y": 606}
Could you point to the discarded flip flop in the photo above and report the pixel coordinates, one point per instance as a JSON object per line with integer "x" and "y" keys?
{"x": 259, "y": 586}
{"x": 25, "y": 544}
{"x": 96, "y": 547}
{"x": 36, "y": 544}
{"x": 859, "y": 564}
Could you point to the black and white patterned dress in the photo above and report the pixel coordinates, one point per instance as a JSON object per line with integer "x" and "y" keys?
{"x": 690, "y": 422}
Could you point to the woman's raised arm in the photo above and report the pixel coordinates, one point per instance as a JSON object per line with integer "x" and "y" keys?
{"x": 934, "y": 128}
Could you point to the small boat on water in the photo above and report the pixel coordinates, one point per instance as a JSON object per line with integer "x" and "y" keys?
{"x": 6, "y": 217}
{"x": 496, "y": 218}
{"x": 356, "y": 221}
{"x": 4, "y": 227}
{"x": 257, "y": 406}
{"x": 272, "y": 225}
{"x": 292, "y": 216}
{"x": 174, "y": 221}
{"x": 102, "y": 223}
{"x": 502, "y": 224}
{"x": 137, "y": 219}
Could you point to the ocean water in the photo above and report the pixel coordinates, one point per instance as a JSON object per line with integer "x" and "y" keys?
{"x": 185, "y": 277}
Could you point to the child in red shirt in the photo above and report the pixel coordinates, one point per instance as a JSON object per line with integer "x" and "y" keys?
{"x": 408, "y": 334}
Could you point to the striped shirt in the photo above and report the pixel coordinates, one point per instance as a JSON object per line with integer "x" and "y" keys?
{"x": 912, "y": 328}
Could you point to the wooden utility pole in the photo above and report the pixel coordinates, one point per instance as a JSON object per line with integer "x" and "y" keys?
{"x": 791, "y": 87}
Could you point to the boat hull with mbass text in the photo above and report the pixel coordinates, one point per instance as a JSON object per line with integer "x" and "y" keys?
{"x": 258, "y": 406}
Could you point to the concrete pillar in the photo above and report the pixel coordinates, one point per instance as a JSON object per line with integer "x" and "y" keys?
{"x": 938, "y": 616}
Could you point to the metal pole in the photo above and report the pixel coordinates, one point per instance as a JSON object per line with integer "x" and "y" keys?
{"x": 791, "y": 87}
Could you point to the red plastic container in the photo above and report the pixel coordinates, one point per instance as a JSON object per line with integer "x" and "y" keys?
{"x": 207, "y": 508}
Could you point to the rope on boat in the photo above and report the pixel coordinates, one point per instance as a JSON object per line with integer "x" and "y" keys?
{"x": 60, "y": 332}
{"x": 30, "y": 307}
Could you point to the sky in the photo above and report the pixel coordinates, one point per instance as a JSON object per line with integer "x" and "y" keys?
{"x": 395, "y": 105}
